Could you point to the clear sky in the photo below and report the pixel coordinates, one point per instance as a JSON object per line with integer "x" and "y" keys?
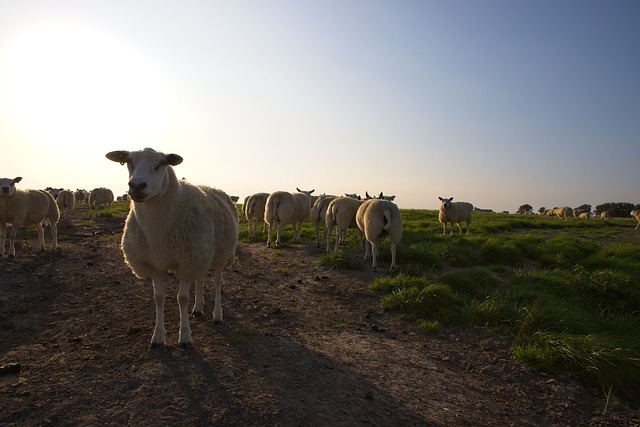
{"x": 499, "y": 103}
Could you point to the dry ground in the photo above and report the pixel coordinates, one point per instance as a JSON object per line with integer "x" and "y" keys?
{"x": 300, "y": 345}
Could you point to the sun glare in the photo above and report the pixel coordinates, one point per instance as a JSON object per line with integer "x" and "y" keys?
{"x": 72, "y": 85}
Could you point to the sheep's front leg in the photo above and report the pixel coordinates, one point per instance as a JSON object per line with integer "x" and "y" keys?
{"x": 41, "y": 236}
{"x": 159, "y": 296}
{"x": 217, "y": 310}
{"x": 12, "y": 240}
{"x": 3, "y": 231}
{"x": 269, "y": 235}
{"x": 198, "y": 307}
{"x": 54, "y": 236}
{"x": 184, "y": 338}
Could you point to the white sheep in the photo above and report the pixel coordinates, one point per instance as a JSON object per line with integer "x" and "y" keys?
{"x": 26, "y": 207}
{"x": 564, "y": 213}
{"x": 174, "y": 225}
{"x": 284, "y": 208}
{"x": 378, "y": 218}
{"x": 636, "y": 214}
{"x": 318, "y": 213}
{"x": 100, "y": 196}
{"x": 80, "y": 196}
{"x": 454, "y": 213}
{"x": 66, "y": 202}
{"x": 380, "y": 196}
{"x": 341, "y": 214}
{"x": 254, "y": 211}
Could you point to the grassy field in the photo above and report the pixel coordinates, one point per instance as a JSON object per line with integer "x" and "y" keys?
{"x": 568, "y": 292}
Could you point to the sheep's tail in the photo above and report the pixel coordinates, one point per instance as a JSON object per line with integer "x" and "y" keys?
{"x": 387, "y": 219}
{"x": 274, "y": 204}
{"x": 251, "y": 207}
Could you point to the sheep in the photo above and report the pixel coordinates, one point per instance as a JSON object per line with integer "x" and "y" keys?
{"x": 254, "y": 211}
{"x": 175, "y": 226}
{"x": 454, "y": 213}
{"x": 100, "y": 196}
{"x": 584, "y": 215}
{"x": 353, "y": 196}
{"x": 80, "y": 197}
{"x": 234, "y": 199}
{"x": 66, "y": 201}
{"x": 318, "y": 212}
{"x": 341, "y": 213}
{"x": 636, "y": 214}
{"x": 604, "y": 215}
{"x": 380, "y": 196}
{"x": 284, "y": 208}
{"x": 378, "y": 218}
{"x": 564, "y": 213}
{"x": 26, "y": 207}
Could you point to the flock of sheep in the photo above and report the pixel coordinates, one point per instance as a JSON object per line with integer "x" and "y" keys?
{"x": 190, "y": 230}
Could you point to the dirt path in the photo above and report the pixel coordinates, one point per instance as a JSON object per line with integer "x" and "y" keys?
{"x": 300, "y": 345}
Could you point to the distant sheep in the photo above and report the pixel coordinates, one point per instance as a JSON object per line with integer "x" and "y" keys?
{"x": 454, "y": 213}
{"x": 100, "y": 196}
{"x": 584, "y": 215}
{"x": 341, "y": 214}
{"x": 254, "y": 210}
{"x": 284, "y": 208}
{"x": 636, "y": 214}
{"x": 26, "y": 207}
{"x": 318, "y": 214}
{"x": 234, "y": 199}
{"x": 66, "y": 202}
{"x": 175, "y": 226}
{"x": 564, "y": 213}
{"x": 604, "y": 215}
{"x": 380, "y": 196}
{"x": 80, "y": 196}
{"x": 376, "y": 219}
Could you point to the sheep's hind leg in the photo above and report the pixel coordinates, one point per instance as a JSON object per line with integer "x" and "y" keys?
{"x": 217, "y": 310}
{"x": 184, "y": 339}
{"x": 198, "y": 307}
{"x": 159, "y": 296}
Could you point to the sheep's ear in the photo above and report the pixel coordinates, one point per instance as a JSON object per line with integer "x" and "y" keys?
{"x": 17, "y": 179}
{"x": 441, "y": 199}
{"x": 312, "y": 191}
{"x": 118, "y": 156}
{"x": 174, "y": 159}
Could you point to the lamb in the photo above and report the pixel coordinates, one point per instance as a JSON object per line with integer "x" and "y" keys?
{"x": 174, "y": 225}
{"x": 377, "y": 218}
{"x": 318, "y": 213}
{"x": 341, "y": 213}
{"x": 254, "y": 210}
{"x": 636, "y": 214}
{"x": 100, "y": 196}
{"x": 287, "y": 208}
{"x": 564, "y": 213}
{"x": 454, "y": 213}
{"x": 26, "y": 207}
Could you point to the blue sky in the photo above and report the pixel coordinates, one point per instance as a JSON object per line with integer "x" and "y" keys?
{"x": 499, "y": 103}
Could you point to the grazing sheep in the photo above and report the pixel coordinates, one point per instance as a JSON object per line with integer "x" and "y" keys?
{"x": 174, "y": 225}
{"x": 379, "y": 218}
{"x": 341, "y": 213}
{"x": 584, "y": 215}
{"x": 564, "y": 213}
{"x": 100, "y": 196}
{"x": 287, "y": 208}
{"x": 26, "y": 207}
{"x": 636, "y": 214}
{"x": 318, "y": 213}
{"x": 254, "y": 211}
{"x": 454, "y": 213}
{"x": 604, "y": 215}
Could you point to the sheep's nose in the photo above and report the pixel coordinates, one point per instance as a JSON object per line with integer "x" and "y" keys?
{"x": 137, "y": 187}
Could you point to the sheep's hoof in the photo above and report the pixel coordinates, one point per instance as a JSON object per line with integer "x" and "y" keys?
{"x": 185, "y": 345}
{"x": 217, "y": 322}
{"x": 158, "y": 345}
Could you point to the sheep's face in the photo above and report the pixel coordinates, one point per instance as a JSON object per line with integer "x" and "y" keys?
{"x": 445, "y": 203}
{"x": 8, "y": 186}
{"x": 147, "y": 171}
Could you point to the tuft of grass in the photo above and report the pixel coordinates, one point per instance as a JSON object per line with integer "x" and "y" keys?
{"x": 237, "y": 336}
{"x": 339, "y": 260}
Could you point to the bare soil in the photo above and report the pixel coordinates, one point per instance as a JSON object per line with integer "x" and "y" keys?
{"x": 300, "y": 345}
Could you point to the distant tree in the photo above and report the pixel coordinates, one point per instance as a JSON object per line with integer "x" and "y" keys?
{"x": 542, "y": 210}
{"x": 525, "y": 209}
{"x": 620, "y": 210}
{"x": 582, "y": 209}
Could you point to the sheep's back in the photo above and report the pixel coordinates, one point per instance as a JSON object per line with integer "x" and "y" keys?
{"x": 457, "y": 212}
{"x": 29, "y": 207}
{"x": 280, "y": 205}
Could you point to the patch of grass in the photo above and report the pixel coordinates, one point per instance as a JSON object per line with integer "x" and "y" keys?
{"x": 339, "y": 260}
{"x": 238, "y": 336}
